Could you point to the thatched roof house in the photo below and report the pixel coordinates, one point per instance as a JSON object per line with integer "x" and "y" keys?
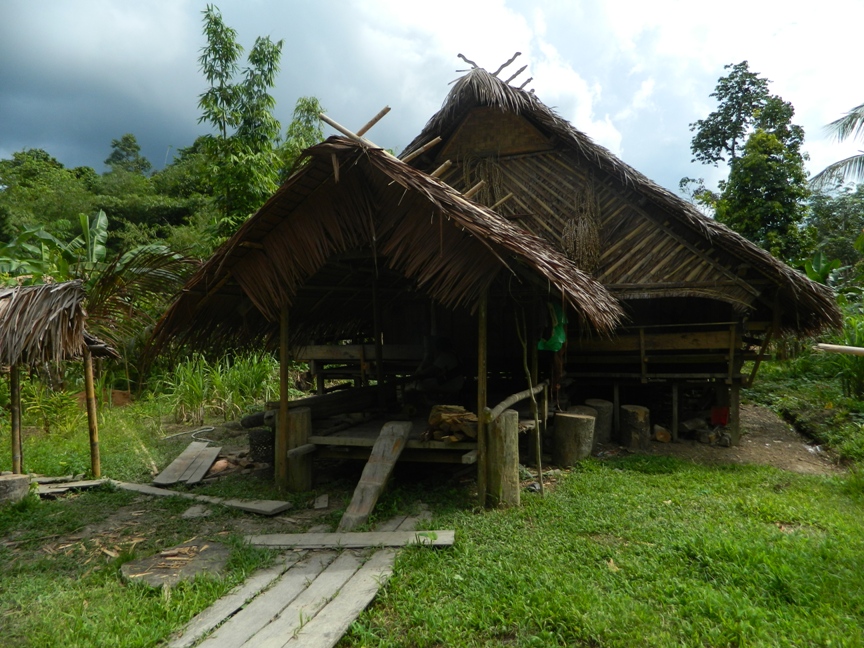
{"x": 699, "y": 299}
{"x": 353, "y": 226}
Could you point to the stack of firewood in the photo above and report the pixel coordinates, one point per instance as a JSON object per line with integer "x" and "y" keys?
{"x": 451, "y": 423}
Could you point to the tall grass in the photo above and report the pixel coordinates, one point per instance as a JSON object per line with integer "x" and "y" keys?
{"x": 850, "y": 368}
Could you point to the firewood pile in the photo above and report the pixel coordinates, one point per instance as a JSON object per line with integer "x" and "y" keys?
{"x": 451, "y": 423}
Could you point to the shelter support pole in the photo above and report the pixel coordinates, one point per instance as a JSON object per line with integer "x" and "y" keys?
{"x": 299, "y": 465}
{"x": 281, "y": 442}
{"x": 540, "y": 426}
{"x": 482, "y": 413}
{"x": 735, "y": 412}
{"x": 616, "y": 410}
{"x": 379, "y": 349}
{"x": 675, "y": 412}
{"x": 92, "y": 421}
{"x": 15, "y": 401}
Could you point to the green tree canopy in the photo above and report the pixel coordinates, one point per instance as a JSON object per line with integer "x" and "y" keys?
{"x": 126, "y": 155}
{"x": 851, "y": 125}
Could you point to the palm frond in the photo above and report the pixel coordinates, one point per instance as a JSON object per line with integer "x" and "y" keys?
{"x": 850, "y": 125}
{"x": 850, "y": 168}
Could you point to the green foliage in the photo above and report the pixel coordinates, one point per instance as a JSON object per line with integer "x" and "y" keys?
{"x": 243, "y": 158}
{"x": 764, "y": 197}
{"x": 126, "y": 156}
{"x": 837, "y": 220}
{"x": 819, "y": 268}
{"x": 305, "y": 130}
{"x": 227, "y": 387}
{"x": 51, "y": 411}
{"x": 741, "y": 95}
{"x": 850, "y": 368}
{"x": 851, "y": 125}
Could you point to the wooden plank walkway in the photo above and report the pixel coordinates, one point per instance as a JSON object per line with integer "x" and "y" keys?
{"x": 307, "y": 599}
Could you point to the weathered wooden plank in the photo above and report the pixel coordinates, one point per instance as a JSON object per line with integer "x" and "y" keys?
{"x": 262, "y": 507}
{"x": 227, "y": 606}
{"x": 306, "y": 605}
{"x": 354, "y": 539}
{"x": 328, "y": 626}
{"x": 62, "y": 487}
{"x": 385, "y": 453}
{"x": 262, "y": 609}
{"x": 655, "y": 342}
{"x": 198, "y": 468}
{"x": 171, "y": 474}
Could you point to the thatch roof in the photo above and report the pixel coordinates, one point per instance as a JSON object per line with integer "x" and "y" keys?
{"x": 807, "y": 306}
{"x": 351, "y": 214}
{"x": 44, "y": 323}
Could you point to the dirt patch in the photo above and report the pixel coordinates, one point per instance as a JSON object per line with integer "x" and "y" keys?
{"x": 766, "y": 439}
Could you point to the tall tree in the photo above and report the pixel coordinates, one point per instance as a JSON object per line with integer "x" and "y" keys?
{"x": 764, "y": 197}
{"x": 851, "y": 125}
{"x": 126, "y": 155}
{"x": 243, "y": 155}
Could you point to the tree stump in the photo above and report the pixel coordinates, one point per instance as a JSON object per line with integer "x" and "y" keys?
{"x": 635, "y": 427}
{"x": 572, "y": 439}
{"x": 603, "y": 424}
{"x": 502, "y": 487}
{"x": 13, "y": 488}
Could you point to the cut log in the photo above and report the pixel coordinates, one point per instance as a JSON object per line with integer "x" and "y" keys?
{"x": 661, "y": 434}
{"x": 603, "y": 424}
{"x": 385, "y": 452}
{"x": 503, "y": 453}
{"x": 635, "y": 427}
{"x": 572, "y": 439}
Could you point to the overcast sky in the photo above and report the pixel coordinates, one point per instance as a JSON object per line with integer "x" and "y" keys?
{"x": 632, "y": 74}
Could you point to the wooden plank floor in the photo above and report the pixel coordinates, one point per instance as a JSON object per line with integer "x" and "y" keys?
{"x": 307, "y": 599}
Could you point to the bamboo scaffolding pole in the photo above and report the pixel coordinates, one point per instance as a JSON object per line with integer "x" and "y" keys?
{"x": 428, "y": 145}
{"x": 92, "y": 418}
{"x": 373, "y": 121}
{"x": 473, "y": 190}
{"x": 441, "y": 170}
{"x": 15, "y": 397}
{"x": 840, "y": 348}
{"x": 339, "y": 127}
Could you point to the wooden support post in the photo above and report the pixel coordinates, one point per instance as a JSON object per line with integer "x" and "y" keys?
{"x": 503, "y": 488}
{"x": 92, "y": 422}
{"x": 643, "y": 355}
{"x": 616, "y": 412}
{"x": 636, "y": 427}
{"x": 534, "y": 370}
{"x": 316, "y": 367}
{"x": 573, "y": 438}
{"x": 731, "y": 354}
{"x": 280, "y": 469}
{"x": 15, "y": 403}
{"x": 482, "y": 413}
{"x": 299, "y": 465}
{"x": 735, "y": 412}
{"x": 675, "y": 412}
{"x": 379, "y": 352}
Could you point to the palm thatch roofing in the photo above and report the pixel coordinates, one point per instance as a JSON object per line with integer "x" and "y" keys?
{"x": 45, "y": 323}
{"x": 350, "y": 217}
{"x": 807, "y": 307}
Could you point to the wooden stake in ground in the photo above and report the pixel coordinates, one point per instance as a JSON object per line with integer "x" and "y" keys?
{"x": 503, "y": 456}
{"x": 280, "y": 471}
{"x": 92, "y": 421}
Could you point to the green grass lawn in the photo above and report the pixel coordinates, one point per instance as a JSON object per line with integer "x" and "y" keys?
{"x": 641, "y": 551}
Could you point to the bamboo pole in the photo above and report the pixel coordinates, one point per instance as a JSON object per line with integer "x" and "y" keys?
{"x": 281, "y": 442}
{"x": 373, "y": 121}
{"x": 15, "y": 397}
{"x": 482, "y": 413}
{"x": 839, "y": 348}
{"x": 92, "y": 421}
{"x": 428, "y": 145}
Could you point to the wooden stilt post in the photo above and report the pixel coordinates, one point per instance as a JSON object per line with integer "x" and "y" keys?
{"x": 92, "y": 421}
{"x": 379, "y": 351}
{"x": 281, "y": 460}
{"x": 675, "y": 412}
{"x": 482, "y": 474}
{"x": 15, "y": 398}
{"x": 735, "y": 412}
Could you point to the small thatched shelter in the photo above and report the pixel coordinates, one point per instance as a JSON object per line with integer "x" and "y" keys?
{"x": 699, "y": 298}
{"x": 41, "y": 324}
